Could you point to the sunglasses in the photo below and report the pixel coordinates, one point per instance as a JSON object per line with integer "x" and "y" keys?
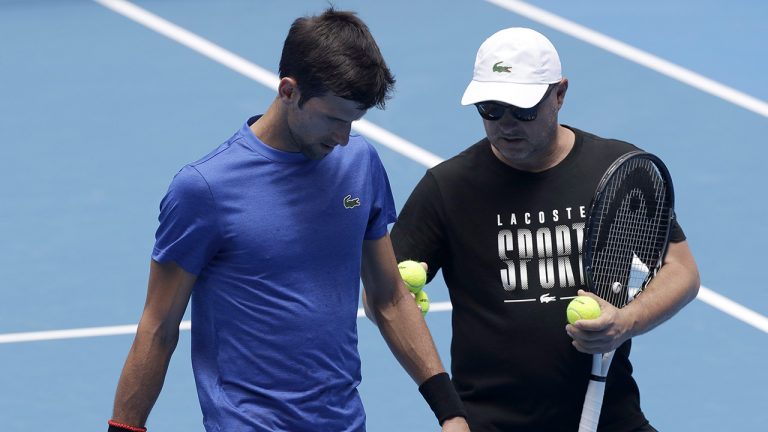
{"x": 492, "y": 110}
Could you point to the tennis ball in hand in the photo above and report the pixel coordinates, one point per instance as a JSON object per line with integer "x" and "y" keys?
{"x": 413, "y": 275}
{"x": 423, "y": 301}
{"x": 582, "y": 307}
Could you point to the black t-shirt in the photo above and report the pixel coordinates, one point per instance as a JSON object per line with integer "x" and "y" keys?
{"x": 509, "y": 244}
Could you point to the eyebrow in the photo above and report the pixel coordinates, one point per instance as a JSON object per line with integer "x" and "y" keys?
{"x": 342, "y": 120}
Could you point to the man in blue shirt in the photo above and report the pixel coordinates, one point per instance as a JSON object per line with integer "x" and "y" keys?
{"x": 269, "y": 235}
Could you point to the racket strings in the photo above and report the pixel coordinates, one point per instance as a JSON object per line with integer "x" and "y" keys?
{"x": 628, "y": 240}
{"x": 632, "y": 221}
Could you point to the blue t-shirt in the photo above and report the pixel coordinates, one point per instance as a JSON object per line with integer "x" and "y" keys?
{"x": 276, "y": 242}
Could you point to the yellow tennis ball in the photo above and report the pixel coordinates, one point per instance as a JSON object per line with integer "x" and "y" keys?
{"x": 413, "y": 275}
{"x": 582, "y": 307}
{"x": 423, "y": 301}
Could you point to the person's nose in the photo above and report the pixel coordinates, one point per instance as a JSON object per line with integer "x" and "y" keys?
{"x": 342, "y": 135}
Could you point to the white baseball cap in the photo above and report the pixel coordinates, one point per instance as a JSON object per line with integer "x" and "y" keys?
{"x": 514, "y": 66}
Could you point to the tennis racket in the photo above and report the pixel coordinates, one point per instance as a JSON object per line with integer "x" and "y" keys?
{"x": 626, "y": 238}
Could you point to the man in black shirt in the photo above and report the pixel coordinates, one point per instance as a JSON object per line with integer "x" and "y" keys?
{"x": 504, "y": 220}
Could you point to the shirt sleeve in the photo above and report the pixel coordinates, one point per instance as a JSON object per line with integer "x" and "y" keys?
{"x": 419, "y": 233}
{"x": 382, "y": 211}
{"x": 676, "y": 233}
{"x": 188, "y": 233}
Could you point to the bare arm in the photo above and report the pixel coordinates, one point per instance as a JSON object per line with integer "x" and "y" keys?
{"x": 389, "y": 304}
{"x": 367, "y": 308}
{"x": 676, "y": 285}
{"x": 144, "y": 372}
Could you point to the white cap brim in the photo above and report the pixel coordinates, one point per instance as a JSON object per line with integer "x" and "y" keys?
{"x": 519, "y": 95}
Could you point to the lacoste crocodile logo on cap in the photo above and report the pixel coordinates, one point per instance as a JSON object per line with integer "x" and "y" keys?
{"x": 498, "y": 68}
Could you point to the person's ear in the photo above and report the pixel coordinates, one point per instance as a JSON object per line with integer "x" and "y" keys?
{"x": 562, "y": 88}
{"x": 288, "y": 90}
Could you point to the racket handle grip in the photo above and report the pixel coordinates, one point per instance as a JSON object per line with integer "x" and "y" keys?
{"x": 593, "y": 402}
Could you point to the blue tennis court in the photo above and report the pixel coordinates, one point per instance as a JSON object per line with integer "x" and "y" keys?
{"x": 102, "y": 101}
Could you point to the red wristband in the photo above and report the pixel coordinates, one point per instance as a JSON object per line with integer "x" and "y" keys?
{"x": 119, "y": 427}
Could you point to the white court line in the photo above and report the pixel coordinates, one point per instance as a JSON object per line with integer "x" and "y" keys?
{"x": 633, "y": 54}
{"x": 706, "y": 295}
{"x": 733, "y": 309}
{"x": 376, "y": 133}
{"x": 67, "y": 334}
{"x": 130, "y": 329}
{"x": 256, "y": 73}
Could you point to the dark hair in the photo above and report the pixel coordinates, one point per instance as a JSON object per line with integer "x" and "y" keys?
{"x": 335, "y": 53}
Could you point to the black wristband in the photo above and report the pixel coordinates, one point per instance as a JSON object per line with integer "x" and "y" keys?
{"x": 120, "y": 427}
{"x": 441, "y": 396}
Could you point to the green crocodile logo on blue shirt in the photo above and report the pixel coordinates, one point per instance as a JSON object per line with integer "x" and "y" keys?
{"x": 350, "y": 202}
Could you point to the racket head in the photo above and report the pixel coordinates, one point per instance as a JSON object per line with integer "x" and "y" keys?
{"x": 628, "y": 227}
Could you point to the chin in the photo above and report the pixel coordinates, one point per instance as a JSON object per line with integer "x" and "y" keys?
{"x": 316, "y": 154}
{"x": 514, "y": 149}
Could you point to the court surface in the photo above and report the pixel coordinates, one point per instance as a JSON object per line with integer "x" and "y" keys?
{"x": 100, "y": 106}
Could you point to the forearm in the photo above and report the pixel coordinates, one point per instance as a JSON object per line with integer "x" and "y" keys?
{"x": 676, "y": 285}
{"x": 407, "y": 335}
{"x": 143, "y": 375}
{"x": 391, "y": 306}
{"x": 367, "y": 309}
